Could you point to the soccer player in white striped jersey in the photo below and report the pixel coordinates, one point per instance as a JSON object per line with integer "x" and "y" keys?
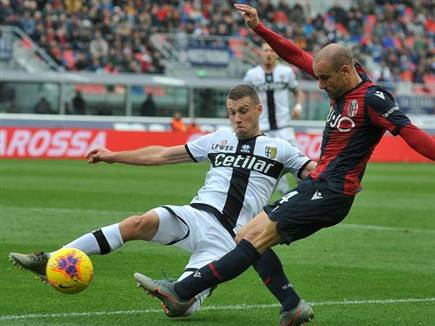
{"x": 245, "y": 166}
{"x": 273, "y": 81}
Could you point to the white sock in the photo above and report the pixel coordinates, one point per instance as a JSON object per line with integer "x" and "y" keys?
{"x": 101, "y": 241}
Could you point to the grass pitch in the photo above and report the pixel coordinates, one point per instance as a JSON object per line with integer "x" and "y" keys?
{"x": 376, "y": 268}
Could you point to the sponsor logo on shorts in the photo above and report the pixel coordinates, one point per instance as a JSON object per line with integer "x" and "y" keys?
{"x": 317, "y": 195}
{"x": 197, "y": 274}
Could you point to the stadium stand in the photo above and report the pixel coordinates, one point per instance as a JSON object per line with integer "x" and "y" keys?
{"x": 393, "y": 39}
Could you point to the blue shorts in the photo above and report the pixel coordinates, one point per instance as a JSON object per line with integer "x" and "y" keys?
{"x": 307, "y": 208}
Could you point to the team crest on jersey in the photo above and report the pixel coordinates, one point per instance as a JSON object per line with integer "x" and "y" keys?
{"x": 353, "y": 108}
{"x": 270, "y": 152}
{"x": 246, "y": 148}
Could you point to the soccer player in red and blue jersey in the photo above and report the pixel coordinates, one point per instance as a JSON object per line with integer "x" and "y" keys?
{"x": 360, "y": 113}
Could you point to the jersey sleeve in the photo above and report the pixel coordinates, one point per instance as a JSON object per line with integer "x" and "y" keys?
{"x": 384, "y": 112}
{"x": 286, "y": 49}
{"x": 247, "y": 79}
{"x": 199, "y": 148}
{"x": 294, "y": 160}
{"x": 419, "y": 140}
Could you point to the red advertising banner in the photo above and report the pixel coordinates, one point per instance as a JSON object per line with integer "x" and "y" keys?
{"x": 75, "y": 143}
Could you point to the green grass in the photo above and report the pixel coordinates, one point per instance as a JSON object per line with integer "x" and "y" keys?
{"x": 384, "y": 250}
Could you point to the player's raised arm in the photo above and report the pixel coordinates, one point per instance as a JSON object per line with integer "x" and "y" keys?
{"x": 285, "y": 48}
{"x": 150, "y": 155}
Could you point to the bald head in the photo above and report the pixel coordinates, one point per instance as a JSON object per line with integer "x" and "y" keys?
{"x": 335, "y": 71}
{"x": 337, "y": 55}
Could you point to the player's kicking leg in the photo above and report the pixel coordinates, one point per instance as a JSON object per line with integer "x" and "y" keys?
{"x": 294, "y": 312}
{"x": 99, "y": 242}
{"x": 206, "y": 240}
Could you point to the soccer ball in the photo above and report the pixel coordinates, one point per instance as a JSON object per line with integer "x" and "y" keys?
{"x": 69, "y": 270}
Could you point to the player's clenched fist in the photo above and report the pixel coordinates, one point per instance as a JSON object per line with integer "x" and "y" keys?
{"x": 249, "y": 14}
{"x": 99, "y": 155}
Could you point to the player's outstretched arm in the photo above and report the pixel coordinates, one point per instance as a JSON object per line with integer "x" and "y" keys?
{"x": 285, "y": 48}
{"x": 150, "y": 155}
{"x": 384, "y": 112}
{"x": 419, "y": 140}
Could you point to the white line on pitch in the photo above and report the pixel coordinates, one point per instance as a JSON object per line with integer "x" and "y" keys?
{"x": 214, "y": 308}
{"x": 69, "y": 210}
{"x": 118, "y": 213}
{"x": 383, "y": 228}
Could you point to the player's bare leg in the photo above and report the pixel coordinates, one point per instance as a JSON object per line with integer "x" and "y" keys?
{"x": 101, "y": 241}
{"x": 139, "y": 227}
{"x": 261, "y": 232}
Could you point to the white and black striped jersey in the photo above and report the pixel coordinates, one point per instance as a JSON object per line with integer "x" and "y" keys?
{"x": 243, "y": 173}
{"x": 274, "y": 92}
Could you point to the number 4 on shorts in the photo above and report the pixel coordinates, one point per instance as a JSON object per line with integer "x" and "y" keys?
{"x": 286, "y": 197}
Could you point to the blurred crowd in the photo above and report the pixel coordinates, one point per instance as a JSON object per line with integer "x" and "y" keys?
{"x": 393, "y": 39}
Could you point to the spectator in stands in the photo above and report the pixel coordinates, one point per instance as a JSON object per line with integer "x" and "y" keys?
{"x": 388, "y": 29}
{"x": 43, "y": 106}
{"x": 78, "y": 103}
{"x": 177, "y": 123}
{"x": 98, "y": 46}
{"x": 148, "y": 107}
{"x": 193, "y": 127}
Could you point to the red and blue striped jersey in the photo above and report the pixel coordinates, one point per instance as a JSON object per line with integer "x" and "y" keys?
{"x": 355, "y": 123}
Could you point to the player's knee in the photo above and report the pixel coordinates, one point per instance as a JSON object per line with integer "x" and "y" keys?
{"x": 140, "y": 227}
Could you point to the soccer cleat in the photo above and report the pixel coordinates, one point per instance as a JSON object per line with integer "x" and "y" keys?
{"x": 301, "y": 314}
{"x": 163, "y": 290}
{"x": 36, "y": 263}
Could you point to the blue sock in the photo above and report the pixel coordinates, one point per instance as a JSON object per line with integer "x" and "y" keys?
{"x": 226, "y": 268}
{"x": 269, "y": 268}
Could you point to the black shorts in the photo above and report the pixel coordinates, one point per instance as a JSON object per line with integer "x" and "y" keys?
{"x": 307, "y": 208}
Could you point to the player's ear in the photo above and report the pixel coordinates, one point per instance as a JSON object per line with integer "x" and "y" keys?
{"x": 259, "y": 108}
{"x": 345, "y": 69}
